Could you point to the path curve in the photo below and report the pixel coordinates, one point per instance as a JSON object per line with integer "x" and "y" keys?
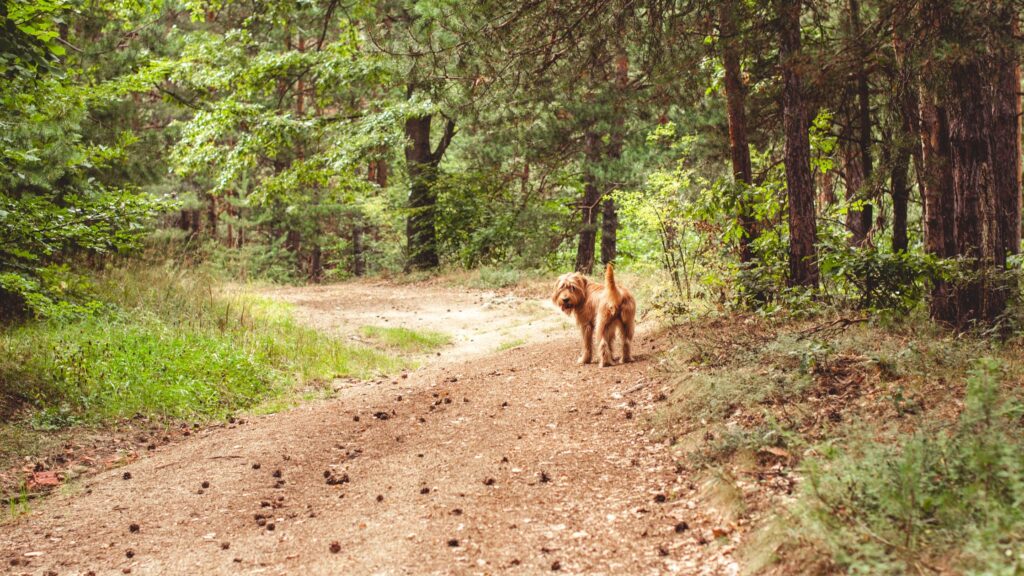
{"x": 514, "y": 462}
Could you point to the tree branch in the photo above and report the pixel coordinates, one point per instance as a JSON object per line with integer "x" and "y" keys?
{"x": 446, "y": 139}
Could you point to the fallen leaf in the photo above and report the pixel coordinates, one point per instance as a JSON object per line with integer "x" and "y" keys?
{"x": 42, "y": 479}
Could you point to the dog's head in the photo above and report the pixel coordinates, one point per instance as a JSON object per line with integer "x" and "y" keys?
{"x": 570, "y": 291}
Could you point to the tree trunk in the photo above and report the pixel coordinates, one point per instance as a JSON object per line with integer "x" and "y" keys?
{"x": 1005, "y": 140}
{"x": 358, "y": 257}
{"x": 900, "y": 198}
{"x": 316, "y": 268}
{"x": 422, "y": 166}
{"x": 421, "y": 233}
{"x": 863, "y": 122}
{"x": 609, "y": 227}
{"x": 803, "y": 265}
{"x": 588, "y": 206}
{"x": 609, "y": 215}
{"x": 970, "y": 134}
{"x": 735, "y": 94}
{"x": 185, "y": 220}
{"x": 853, "y": 176}
{"x": 939, "y": 218}
{"x": 211, "y": 217}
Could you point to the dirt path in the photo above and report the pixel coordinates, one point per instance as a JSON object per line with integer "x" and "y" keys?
{"x": 512, "y": 462}
{"x": 479, "y": 322}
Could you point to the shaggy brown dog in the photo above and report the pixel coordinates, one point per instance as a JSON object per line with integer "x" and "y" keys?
{"x": 608, "y": 308}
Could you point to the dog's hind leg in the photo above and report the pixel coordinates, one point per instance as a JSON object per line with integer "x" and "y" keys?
{"x": 628, "y": 326}
{"x": 606, "y": 331}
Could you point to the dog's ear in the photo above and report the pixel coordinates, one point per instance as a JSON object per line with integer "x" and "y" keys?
{"x": 582, "y": 281}
{"x": 559, "y": 285}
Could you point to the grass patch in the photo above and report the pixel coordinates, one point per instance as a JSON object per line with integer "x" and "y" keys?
{"x": 509, "y": 344}
{"x": 168, "y": 344}
{"x": 405, "y": 339}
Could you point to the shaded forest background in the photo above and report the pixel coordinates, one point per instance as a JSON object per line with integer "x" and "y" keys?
{"x": 754, "y": 151}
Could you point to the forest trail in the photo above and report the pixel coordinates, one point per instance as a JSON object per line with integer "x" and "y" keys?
{"x": 482, "y": 462}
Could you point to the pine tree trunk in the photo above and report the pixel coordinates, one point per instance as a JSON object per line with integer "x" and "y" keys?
{"x": 853, "y": 177}
{"x": 1006, "y": 135}
{"x": 358, "y": 257}
{"x": 211, "y": 217}
{"x": 421, "y": 234}
{"x": 588, "y": 206}
{"x": 609, "y": 215}
{"x": 185, "y": 220}
{"x": 609, "y": 228}
{"x": 735, "y": 95}
{"x": 970, "y": 134}
{"x": 803, "y": 266}
{"x": 939, "y": 217}
{"x": 316, "y": 268}
{"x": 863, "y": 123}
{"x": 900, "y": 198}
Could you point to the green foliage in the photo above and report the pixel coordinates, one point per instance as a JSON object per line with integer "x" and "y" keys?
{"x": 881, "y": 280}
{"x": 947, "y": 501}
{"x": 168, "y": 345}
{"x": 56, "y": 198}
{"x": 484, "y": 221}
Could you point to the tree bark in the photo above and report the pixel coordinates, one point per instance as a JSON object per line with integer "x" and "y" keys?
{"x": 211, "y": 216}
{"x": 866, "y": 213}
{"x": 970, "y": 121}
{"x": 735, "y": 94}
{"x": 609, "y": 228}
{"x": 316, "y": 268}
{"x": 609, "y": 215}
{"x": 421, "y": 233}
{"x": 588, "y": 206}
{"x": 900, "y": 198}
{"x": 422, "y": 166}
{"x": 939, "y": 217}
{"x": 803, "y": 265}
{"x": 358, "y": 257}
{"x": 1005, "y": 138}
{"x": 853, "y": 177}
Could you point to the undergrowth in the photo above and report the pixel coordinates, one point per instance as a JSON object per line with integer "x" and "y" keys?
{"x": 935, "y": 500}
{"x": 884, "y": 449}
{"x": 168, "y": 343}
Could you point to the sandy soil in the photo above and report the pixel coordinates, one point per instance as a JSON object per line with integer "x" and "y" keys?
{"x": 482, "y": 462}
{"x": 479, "y": 322}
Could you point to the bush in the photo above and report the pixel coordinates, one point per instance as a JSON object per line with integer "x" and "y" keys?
{"x": 945, "y": 501}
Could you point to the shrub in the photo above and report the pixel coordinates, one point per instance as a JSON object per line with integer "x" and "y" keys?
{"x": 946, "y": 501}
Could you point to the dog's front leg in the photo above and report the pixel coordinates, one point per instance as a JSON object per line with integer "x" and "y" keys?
{"x": 587, "y": 352}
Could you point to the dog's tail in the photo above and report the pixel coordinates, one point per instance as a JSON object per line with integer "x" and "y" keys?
{"x": 612, "y": 296}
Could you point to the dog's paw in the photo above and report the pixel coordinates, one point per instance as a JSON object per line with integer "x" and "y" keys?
{"x": 582, "y": 360}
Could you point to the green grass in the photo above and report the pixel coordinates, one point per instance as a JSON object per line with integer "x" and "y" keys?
{"x": 405, "y": 339}
{"x": 168, "y": 344}
{"x": 509, "y": 344}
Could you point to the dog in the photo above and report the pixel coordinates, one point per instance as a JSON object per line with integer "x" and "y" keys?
{"x": 607, "y": 309}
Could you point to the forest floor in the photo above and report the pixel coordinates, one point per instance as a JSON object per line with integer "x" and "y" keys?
{"x": 499, "y": 455}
